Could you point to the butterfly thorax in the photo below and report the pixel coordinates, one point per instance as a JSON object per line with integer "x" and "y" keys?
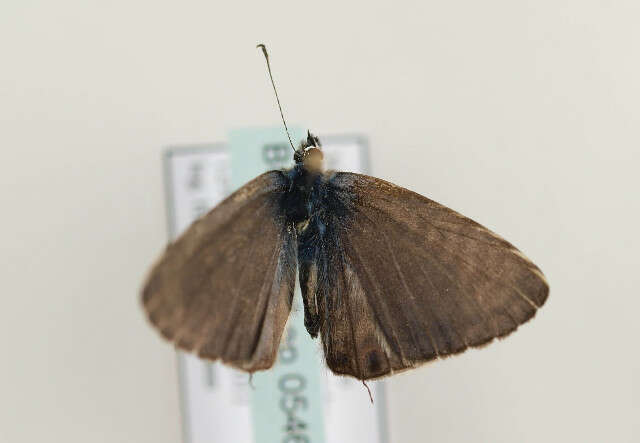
{"x": 304, "y": 180}
{"x": 300, "y": 201}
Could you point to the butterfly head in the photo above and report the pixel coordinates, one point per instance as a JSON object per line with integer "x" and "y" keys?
{"x": 309, "y": 154}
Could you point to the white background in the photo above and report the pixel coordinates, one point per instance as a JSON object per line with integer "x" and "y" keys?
{"x": 523, "y": 115}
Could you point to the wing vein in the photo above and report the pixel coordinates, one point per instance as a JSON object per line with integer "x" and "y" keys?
{"x": 385, "y": 312}
{"x": 407, "y": 290}
{"x": 263, "y": 314}
{"x": 348, "y": 307}
{"x": 235, "y": 299}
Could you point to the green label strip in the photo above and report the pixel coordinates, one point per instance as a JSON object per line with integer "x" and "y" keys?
{"x": 286, "y": 403}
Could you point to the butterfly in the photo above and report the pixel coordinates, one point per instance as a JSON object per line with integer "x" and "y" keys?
{"x": 389, "y": 279}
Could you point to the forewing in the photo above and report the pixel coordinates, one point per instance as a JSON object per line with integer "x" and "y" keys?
{"x": 223, "y": 289}
{"x": 409, "y": 280}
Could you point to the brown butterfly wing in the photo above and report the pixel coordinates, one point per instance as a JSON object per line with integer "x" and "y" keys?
{"x": 410, "y": 280}
{"x": 223, "y": 289}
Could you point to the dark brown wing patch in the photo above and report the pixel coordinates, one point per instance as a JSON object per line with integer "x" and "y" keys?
{"x": 223, "y": 289}
{"x": 415, "y": 281}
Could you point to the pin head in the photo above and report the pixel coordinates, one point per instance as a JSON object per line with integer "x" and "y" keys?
{"x": 309, "y": 154}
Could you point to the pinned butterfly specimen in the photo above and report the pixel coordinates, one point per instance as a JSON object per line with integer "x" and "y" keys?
{"x": 389, "y": 278}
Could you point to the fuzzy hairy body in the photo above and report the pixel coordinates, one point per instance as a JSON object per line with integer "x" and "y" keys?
{"x": 313, "y": 207}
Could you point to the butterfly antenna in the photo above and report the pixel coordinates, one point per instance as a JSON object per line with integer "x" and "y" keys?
{"x": 266, "y": 56}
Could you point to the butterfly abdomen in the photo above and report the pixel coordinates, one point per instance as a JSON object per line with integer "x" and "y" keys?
{"x": 317, "y": 236}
